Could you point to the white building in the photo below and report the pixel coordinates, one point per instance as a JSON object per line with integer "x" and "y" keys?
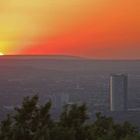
{"x": 118, "y": 92}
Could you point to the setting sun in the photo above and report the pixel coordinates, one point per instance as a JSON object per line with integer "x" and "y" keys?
{"x": 1, "y": 54}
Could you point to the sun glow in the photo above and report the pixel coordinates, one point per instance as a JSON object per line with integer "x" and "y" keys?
{"x": 1, "y": 53}
{"x": 91, "y": 28}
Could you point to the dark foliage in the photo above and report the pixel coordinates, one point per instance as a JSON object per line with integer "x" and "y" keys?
{"x": 32, "y": 121}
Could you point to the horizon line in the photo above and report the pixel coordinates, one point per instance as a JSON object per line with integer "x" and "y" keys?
{"x": 68, "y": 56}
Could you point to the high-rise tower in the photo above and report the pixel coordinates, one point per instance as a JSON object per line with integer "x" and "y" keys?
{"x": 118, "y": 92}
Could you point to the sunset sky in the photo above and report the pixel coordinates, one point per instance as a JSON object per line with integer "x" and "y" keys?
{"x": 89, "y": 28}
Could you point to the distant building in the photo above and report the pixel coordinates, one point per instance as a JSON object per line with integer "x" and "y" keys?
{"x": 65, "y": 99}
{"x": 118, "y": 92}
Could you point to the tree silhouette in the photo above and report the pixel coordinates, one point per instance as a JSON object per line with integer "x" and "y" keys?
{"x": 32, "y": 121}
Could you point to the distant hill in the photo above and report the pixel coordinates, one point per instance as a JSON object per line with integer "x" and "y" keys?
{"x": 67, "y": 57}
{"x": 61, "y": 57}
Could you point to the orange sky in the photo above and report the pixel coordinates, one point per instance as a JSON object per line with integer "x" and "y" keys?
{"x": 91, "y": 28}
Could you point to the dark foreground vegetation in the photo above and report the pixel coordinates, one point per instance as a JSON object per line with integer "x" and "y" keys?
{"x": 32, "y": 121}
